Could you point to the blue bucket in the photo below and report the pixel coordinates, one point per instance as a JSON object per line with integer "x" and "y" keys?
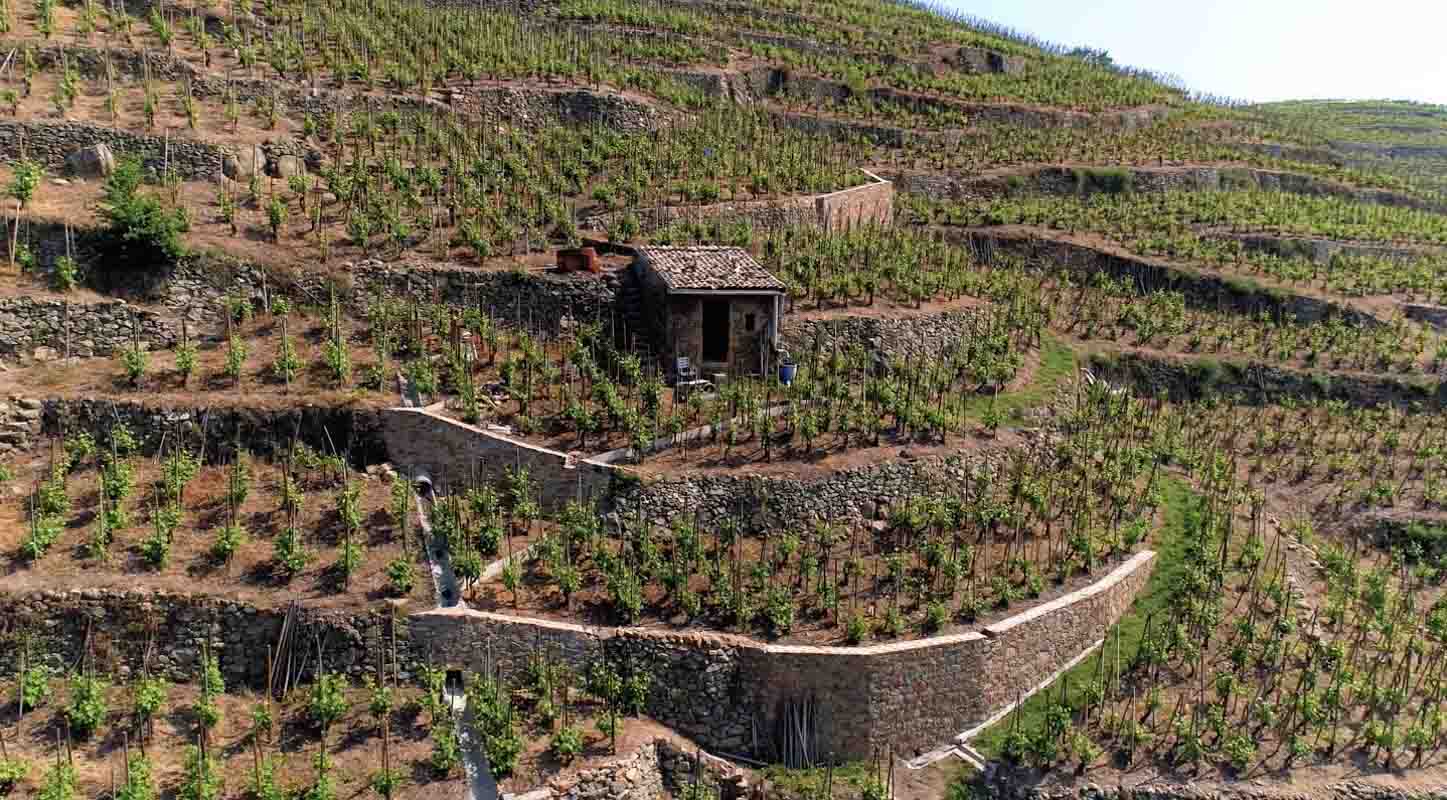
{"x": 787, "y": 372}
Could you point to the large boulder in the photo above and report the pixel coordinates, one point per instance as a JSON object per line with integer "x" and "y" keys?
{"x": 285, "y": 166}
{"x": 247, "y": 161}
{"x": 96, "y": 161}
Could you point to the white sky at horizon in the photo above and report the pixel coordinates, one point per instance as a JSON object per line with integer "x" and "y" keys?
{"x": 1258, "y": 50}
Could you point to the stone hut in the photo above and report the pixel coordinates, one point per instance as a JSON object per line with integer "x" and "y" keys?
{"x": 715, "y": 306}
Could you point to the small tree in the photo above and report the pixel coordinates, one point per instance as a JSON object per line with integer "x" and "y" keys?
{"x": 142, "y": 232}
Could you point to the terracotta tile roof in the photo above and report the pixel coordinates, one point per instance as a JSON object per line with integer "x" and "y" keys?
{"x": 709, "y": 268}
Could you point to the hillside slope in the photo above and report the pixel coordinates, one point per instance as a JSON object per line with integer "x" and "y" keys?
{"x": 1038, "y": 315}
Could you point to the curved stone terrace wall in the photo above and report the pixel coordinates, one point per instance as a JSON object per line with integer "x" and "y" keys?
{"x": 729, "y": 692}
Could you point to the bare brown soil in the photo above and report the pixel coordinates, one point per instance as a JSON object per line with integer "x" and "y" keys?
{"x": 831, "y": 454}
{"x": 539, "y": 595}
{"x": 354, "y": 745}
{"x": 251, "y": 576}
{"x": 259, "y": 385}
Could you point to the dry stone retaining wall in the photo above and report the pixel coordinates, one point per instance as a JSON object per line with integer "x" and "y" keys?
{"x": 1324, "y": 250}
{"x": 860, "y": 493}
{"x": 354, "y": 432}
{"x": 925, "y": 336}
{"x": 773, "y": 81}
{"x": 40, "y": 327}
{"x": 19, "y": 424}
{"x": 120, "y": 624}
{"x": 547, "y": 302}
{"x": 52, "y": 142}
{"x": 1088, "y": 181}
{"x": 728, "y": 692}
{"x": 1253, "y": 382}
{"x": 1200, "y": 290}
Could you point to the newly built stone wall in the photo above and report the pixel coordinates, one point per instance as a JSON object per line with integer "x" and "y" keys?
{"x": 38, "y": 327}
{"x": 729, "y": 692}
{"x": 452, "y": 453}
{"x": 871, "y": 204}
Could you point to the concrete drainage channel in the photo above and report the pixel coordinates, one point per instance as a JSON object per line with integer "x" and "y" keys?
{"x": 480, "y": 783}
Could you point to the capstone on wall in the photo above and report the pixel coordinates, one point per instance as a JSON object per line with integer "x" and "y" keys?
{"x": 731, "y": 693}
{"x": 454, "y": 454}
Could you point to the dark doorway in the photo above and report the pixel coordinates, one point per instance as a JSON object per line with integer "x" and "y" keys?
{"x": 716, "y": 330}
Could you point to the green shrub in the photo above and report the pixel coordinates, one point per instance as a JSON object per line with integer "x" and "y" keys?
{"x": 228, "y": 538}
{"x": 446, "y": 755}
{"x": 142, "y": 233}
{"x": 150, "y": 695}
{"x": 289, "y": 553}
{"x": 139, "y": 783}
{"x": 66, "y": 274}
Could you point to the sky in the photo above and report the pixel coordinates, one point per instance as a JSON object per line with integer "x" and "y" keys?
{"x": 1257, "y": 50}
